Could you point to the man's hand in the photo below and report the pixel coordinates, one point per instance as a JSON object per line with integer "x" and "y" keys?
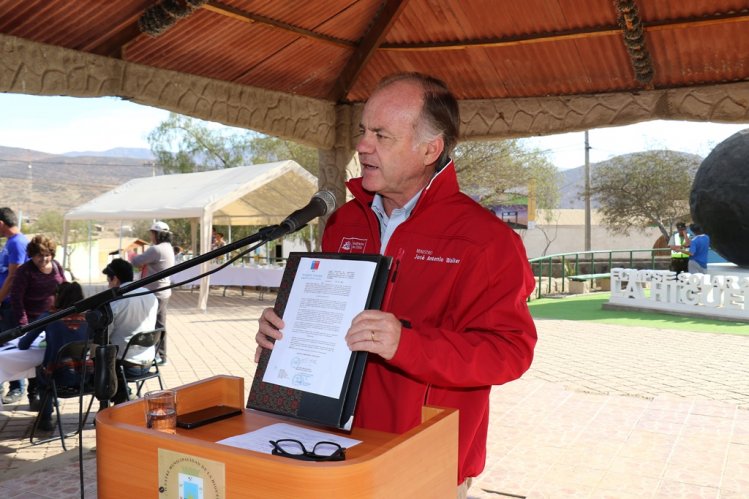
{"x": 270, "y": 325}
{"x": 375, "y": 331}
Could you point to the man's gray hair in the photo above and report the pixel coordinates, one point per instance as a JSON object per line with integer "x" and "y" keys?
{"x": 440, "y": 114}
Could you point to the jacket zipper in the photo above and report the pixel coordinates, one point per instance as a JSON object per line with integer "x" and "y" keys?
{"x": 393, "y": 276}
{"x": 426, "y": 395}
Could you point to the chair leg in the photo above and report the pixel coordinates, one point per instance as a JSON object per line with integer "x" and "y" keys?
{"x": 56, "y": 403}
{"x": 38, "y": 418}
{"x": 88, "y": 411}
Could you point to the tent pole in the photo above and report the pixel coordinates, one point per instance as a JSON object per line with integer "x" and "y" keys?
{"x": 90, "y": 250}
{"x": 205, "y": 247}
{"x": 64, "y": 243}
{"x": 119, "y": 247}
{"x": 194, "y": 241}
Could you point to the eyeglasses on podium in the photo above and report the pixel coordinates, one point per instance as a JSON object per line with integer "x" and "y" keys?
{"x": 294, "y": 449}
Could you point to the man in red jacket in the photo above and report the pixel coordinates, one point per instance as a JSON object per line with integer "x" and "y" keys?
{"x": 454, "y": 320}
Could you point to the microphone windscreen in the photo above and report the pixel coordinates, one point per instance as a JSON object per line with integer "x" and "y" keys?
{"x": 328, "y": 198}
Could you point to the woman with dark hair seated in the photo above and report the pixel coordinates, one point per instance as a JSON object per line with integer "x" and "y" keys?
{"x": 63, "y": 331}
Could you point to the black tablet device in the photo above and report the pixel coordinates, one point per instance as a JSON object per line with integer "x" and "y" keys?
{"x": 207, "y": 415}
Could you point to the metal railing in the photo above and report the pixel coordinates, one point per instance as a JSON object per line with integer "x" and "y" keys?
{"x": 563, "y": 265}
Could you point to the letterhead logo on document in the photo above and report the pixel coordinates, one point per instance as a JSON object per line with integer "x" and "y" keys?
{"x": 352, "y": 245}
{"x": 315, "y": 265}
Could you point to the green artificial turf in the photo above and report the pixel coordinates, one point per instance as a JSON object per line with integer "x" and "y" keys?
{"x": 587, "y": 307}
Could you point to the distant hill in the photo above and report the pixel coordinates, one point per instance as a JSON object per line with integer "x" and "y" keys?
{"x": 117, "y": 152}
{"x": 573, "y": 181}
{"x": 62, "y": 182}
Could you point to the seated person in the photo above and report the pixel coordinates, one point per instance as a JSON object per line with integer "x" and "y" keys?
{"x": 130, "y": 315}
{"x": 58, "y": 333}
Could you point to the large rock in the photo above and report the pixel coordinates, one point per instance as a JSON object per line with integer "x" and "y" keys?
{"x": 719, "y": 200}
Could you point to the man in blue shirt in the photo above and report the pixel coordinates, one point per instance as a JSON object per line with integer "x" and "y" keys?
{"x": 12, "y": 256}
{"x": 698, "y": 249}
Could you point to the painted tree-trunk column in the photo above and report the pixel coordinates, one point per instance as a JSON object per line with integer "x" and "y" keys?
{"x": 339, "y": 164}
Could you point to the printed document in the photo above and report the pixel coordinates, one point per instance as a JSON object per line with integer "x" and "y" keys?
{"x": 324, "y": 298}
{"x": 259, "y": 440}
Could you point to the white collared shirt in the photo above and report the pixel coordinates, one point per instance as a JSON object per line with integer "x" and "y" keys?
{"x": 388, "y": 224}
{"x": 131, "y": 315}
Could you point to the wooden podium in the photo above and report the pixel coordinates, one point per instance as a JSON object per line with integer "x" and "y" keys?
{"x": 134, "y": 461}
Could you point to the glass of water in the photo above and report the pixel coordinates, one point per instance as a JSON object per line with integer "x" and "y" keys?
{"x": 161, "y": 410}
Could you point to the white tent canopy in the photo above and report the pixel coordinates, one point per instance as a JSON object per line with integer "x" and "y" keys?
{"x": 247, "y": 195}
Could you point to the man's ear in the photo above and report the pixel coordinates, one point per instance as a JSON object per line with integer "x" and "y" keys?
{"x": 433, "y": 150}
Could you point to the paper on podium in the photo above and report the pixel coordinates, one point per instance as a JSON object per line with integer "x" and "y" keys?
{"x": 259, "y": 440}
{"x": 311, "y": 374}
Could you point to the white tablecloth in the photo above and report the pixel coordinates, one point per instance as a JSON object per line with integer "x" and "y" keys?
{"x": 20, "y": 364}
{"x": 92, "y": 289}
{"x": 269, "y": 277}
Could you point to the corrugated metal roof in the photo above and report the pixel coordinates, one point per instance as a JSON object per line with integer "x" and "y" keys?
{"x": 482, "y": 48}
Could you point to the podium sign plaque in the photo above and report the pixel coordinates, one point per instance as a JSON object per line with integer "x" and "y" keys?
{"x": 182, "y": 476}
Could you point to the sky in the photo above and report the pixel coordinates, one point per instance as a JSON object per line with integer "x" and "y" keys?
{"x": 67, "y": 124}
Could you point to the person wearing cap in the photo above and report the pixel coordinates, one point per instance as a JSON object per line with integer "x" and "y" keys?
{"x": 131, "y": 315}
{"x": 158, "y": 257}
{"x": 678, "y": 242}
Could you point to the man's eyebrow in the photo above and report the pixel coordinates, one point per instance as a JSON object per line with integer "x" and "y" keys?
{"x": 373, "y": 129}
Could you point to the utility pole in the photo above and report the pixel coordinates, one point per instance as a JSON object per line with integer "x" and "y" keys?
{"x": 587, "y": 192}
{"x": 30, "y": 201}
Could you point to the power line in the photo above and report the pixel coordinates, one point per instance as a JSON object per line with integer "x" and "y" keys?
{"x": 140, "y": 163}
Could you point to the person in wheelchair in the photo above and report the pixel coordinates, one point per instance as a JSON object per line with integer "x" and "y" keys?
{"x": 58, "y": 334}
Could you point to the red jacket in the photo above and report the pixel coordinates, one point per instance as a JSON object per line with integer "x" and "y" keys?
{"x": 459, "y": 282}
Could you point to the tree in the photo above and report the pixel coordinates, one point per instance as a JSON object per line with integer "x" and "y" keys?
{"x": 179, "y": 227}
{"x": 644, "y": 189}
{"x": 182, "y": 145}
{"x": 494, "y": 172}
{"x": 265, "y": 149}
{"x": 50, "y": 223}
{"x": 507, "y": 172}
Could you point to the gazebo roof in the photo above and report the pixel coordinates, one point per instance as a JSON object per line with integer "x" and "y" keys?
{"x": 337, "y": 49}
{"x": 543, "y": 66}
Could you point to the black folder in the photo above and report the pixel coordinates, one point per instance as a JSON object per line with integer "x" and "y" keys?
{"x": 307, "y": 406}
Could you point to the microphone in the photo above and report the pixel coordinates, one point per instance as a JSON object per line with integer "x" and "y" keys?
{"x": 322, "y": 203}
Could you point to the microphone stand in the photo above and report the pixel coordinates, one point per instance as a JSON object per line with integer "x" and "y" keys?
{"x": 264, "y": 235}
{"x": 99, "y": 314}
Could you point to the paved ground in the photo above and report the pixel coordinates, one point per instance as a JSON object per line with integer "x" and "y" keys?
{"x": 605, "y": 411}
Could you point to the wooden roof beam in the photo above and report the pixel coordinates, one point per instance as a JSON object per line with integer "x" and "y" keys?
{"x": 367, "y": 46}
{"x": 593, "y": 32}
{"x": 112, "y": 44}
{"x": 249, "y": 17}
